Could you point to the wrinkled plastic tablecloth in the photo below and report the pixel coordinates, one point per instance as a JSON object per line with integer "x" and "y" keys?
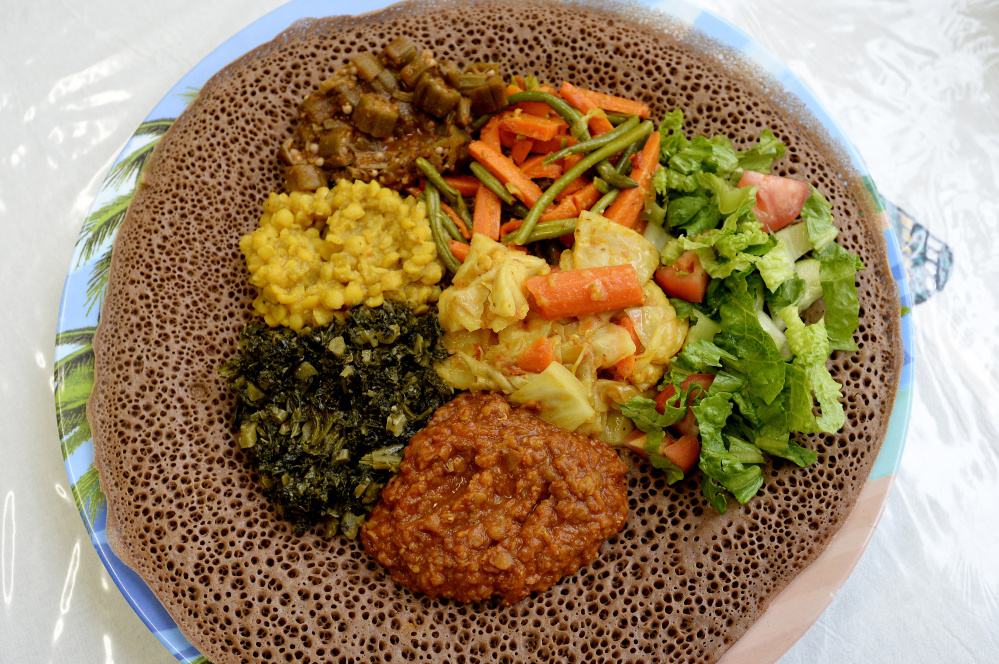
{"x": 914, "y": 84}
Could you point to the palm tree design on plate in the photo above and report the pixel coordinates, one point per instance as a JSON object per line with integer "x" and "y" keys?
{"x": 74, "y": 372}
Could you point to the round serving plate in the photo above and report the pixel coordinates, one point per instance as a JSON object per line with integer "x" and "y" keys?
{"x": 791, "y": 613}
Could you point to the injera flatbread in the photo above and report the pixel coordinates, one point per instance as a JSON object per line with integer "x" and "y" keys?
{"x": 679, "y": 584}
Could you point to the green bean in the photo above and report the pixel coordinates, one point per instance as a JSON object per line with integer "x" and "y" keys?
{"x": 481, "y": 121}
{"x": 456, "y": 200}
{"x": 432, "y": 199}
{"x": 447, "y": 223}
{"x": 578, "y": 129}
{"x": 549, "y": 230}
{"x": 495, "y": 186}
{"x": 639, "y": 133}
{"x": 624, "y": 164}
{"x": 602, "y": 186}
{"x": 612, "y": 177}
{"x": 617, "y": 118}
{"x": 491, "y": 181}
{"x": 605, "y": 201}
{"x": 560, "y": 106}
{"x": 594, "y": 143}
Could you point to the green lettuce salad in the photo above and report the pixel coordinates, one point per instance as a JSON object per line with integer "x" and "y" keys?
{"x": 768, "y": 367}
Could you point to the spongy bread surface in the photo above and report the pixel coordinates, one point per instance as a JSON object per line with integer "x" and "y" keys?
{"x": 680, "y": 583}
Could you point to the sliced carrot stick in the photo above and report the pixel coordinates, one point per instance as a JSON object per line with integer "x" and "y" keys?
{"x": 531, "y": 126}
{"x": 564, "y": 210}
{"x": 466, "y": 185}
{"x": 510, "y": 227}
{"x": 586, "y": 197}
{"x": 507, "y": 138}
{"x": 578, "y": 184}
{"x": 520, "y": 149}
{"x": 490, "y": 134}
{"x": 541, "y": 110}
{"x": 459, "y": 249}
{"x": 629, "y": 325}
{"x": 513, "y": 89}
{"x": 544, "y": 87}
{"x": 586, "y": 291}
{"x": 457, "y": 221}
{"x": 554, "y": 145}
{"x": 571, "y": 160}
{"x": 616, "y": 104}
{"x": 536, "y": 357}
{"x": 630, "y": 202}
{"x": 499, "y": 165}
{"x": 487, "y": 214}
{"x": 535, "y": 168}
{"x": 599, "y": 124}
{"x": 415, "y": 192}
{"x": 625, "y": 367}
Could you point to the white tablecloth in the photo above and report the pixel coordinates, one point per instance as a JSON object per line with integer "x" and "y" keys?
{"x": 914, "y": 84}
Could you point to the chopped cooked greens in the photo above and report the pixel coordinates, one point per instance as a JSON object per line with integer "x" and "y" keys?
{"x": 325, "y": 413}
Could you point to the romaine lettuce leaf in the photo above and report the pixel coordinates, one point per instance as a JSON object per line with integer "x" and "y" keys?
{"x": 810, "y": 345}
{"x": 775, "y": 267}
{"x": 758, "y": 357}
{"x": 817, "y": 214}
{"x": 762, "y": 156}
{"x": 837, "y": 274}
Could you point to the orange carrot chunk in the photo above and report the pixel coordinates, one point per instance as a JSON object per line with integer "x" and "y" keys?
{"x": 500, "y": 165}
{"x": 535, "y": 168}
{"x": 629, "y": 325}
{"x": 520, "y": 149}
{"x": 631, "y": 202}
{"x": 585, "y": 291}
{"x": 564, "y": 210}
{"x": 536, "y": 357}
{"x": 578, "y": 184}
{"x": 490, "y": 134}
{"x": 554, "y": 145}
{"x": 459, "y": 249}
{"x": 510, "y": 227}
{"x": 487, "y": 213}
{"x": 616, "y": 104}
{"x": 599, "y": 124}
{"x": 466, "y": 185}
{"x": 625, "y": 367}
{"x": 586, "y": 197}
{"x": 531, "y": 126}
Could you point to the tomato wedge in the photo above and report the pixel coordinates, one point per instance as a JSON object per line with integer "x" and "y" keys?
{"x": 779, "y": 199}
{"x": 684, "y": 278}
{"x": 685, "y": 452}
{"x": 688, "y": 425}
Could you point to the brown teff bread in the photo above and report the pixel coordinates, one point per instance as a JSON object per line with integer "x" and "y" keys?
{"x": 680, "y": 583}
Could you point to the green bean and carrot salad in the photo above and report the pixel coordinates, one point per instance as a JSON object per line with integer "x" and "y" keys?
{"x": 539, "y": 161}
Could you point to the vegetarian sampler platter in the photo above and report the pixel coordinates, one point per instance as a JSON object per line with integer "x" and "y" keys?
{"x": 495, "y": 332}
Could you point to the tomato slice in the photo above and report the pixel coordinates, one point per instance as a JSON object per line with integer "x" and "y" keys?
{"x": 685, "y": 452}
{"x": 684, "y": 278}
{"x": 779, "y": 199}
{"x": 688, "y": 425}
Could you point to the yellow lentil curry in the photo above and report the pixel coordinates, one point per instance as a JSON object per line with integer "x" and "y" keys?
{"x": 313, "y": 254}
